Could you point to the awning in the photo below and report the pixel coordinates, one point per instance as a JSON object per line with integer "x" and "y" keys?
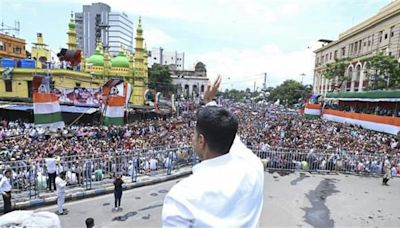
{"x": 16, "y": 107}
{"x": 76, "y": 109}
{"x": 64, "y": 108}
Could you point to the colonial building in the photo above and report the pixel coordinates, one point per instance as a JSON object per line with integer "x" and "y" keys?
{"x": 378, "y": 34}
{"x": 190, "y": 83}
{"x": 12, "y": 47}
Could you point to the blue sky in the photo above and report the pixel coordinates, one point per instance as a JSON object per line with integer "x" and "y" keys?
{"x": 240, "y": 39}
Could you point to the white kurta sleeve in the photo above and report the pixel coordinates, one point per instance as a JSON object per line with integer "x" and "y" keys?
{"x": 175, "y": 213}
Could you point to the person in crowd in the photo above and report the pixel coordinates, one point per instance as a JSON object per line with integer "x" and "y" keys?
{"x": 191, "y": 202}
{"x": 387, "y": 172}
{"x": 61, "y": 183}
{"x": 5, "y": 189}
{"x": 118, "y": 192}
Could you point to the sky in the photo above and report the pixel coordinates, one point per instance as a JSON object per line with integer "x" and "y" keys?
{"x": 238, "y": 39}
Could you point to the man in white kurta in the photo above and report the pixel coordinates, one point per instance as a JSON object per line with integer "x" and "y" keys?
{"x": 60, "y": 184}
{"x": 225, "y": 190}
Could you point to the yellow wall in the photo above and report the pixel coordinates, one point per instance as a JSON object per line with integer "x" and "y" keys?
{"x": 61, "y": 78}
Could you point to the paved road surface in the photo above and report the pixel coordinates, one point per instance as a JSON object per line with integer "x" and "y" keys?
{"x": 295, "y": 200}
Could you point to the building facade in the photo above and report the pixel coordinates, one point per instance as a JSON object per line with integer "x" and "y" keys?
{"x": 174, "y": 59}
{"x": 378, "y": 34}
{"x": 92, "y": 26}
{"x": 190, "y": 83}
{"x": 92, "y": 72}
{"x": 120, "y": 33}
{"x": 12, "y": 47}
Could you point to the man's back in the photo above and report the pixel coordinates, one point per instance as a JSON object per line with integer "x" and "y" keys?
{"x": 226, "y": 191}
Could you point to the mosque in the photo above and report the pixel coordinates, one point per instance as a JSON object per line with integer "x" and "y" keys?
{"x": 89, "y": 73}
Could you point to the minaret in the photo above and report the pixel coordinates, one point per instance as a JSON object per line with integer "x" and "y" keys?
{"x": 139, "y": 60}
{"x": 72, "y": 45}
{"x": 146, "y": 64}
{"x": 140, "y": 73}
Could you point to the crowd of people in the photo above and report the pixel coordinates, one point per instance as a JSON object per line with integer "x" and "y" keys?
{"x": 157, "y": 143}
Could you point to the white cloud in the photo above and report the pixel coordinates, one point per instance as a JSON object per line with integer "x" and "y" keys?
{"x": 244, "y": 66}
{"x": 155, "y": 37}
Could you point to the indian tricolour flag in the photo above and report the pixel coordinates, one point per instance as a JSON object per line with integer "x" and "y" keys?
{"x": 114, "y": 110}
{"x": 312, "y": 110}
{"x": 47, "y": 111}
{"x": 116, "y": 95}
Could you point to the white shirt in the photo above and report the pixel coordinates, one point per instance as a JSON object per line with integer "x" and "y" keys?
{"x": 51, "y": 165}
{"x": 5, "y": 185}
{"x": 60, "y": 184}
{"x": 226, "y": 191}
{"x": 153, "y": 164}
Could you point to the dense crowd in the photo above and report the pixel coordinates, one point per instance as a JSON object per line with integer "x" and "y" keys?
{"x": 274, "y": 127}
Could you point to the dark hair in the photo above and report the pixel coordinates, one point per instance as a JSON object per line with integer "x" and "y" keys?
{"x": 218, "y": 126}
{"x": 89, "y": 222}
{"x": 7, "y": 170}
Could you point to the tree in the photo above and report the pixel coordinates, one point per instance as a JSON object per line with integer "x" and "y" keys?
{"x": 337, "y": 69}
{"x": 160, "y": 79}
{"x": 383, "y": 71}
{"x": 290, "y": 92}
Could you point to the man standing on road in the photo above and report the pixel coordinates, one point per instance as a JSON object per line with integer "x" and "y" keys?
{"x": 51, "y": 171}
{"x": 226, "y": 188}
{"x": 61, "y": 183}
{"x": 5, "y": 189}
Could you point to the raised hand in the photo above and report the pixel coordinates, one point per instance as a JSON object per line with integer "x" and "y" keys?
{"x": 212, "y": 90}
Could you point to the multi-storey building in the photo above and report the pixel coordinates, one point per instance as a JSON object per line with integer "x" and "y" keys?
{"x": 174, "y": 59}
{"x": 120, "y": 33}
{"x": 98, "y": 24}
{"x": 378, "y": 34}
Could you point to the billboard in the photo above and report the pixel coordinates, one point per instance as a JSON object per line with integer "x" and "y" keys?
{"x": 79, "y": 96}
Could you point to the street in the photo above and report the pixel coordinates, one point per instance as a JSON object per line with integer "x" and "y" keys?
{"x": 294, "y": 200}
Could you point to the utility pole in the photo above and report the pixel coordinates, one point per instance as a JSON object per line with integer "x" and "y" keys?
{"x": 265, "y": 81}
{"x": 302, "y": 77}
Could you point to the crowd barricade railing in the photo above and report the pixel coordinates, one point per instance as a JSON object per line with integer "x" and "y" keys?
{"x": 299, "y": 160}
{"x": 30, "y": 176}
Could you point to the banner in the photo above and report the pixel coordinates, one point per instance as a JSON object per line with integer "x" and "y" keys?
{"x": 79, "y": 96}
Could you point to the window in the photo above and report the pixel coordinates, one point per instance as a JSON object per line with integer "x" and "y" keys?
{"x": 343, "y": 51}
{"x": 326, "y": 58}
{"x": 2, "y": 46}
{"x": 386, "y": 36}
{"x": 365, "y": 44}
{"x": 322, "y": 59}
{"x": 372, "y": 42}
{"x": 330, "y": 56}
{"x": 355, "y": 47}
{"x": 8, "y": 84}
{"x": 17, "y": 50}
{"x": 369, "y": 43}
{"x": 380, "y": 36}
{"x": 77, "y": 84}
{"x": 391, "y": 31}
{"x": 335, "y": 55}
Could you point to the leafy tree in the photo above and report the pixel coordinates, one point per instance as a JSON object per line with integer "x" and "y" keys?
{"x": 160, "y": 79}
{"x": 383, "y": 72}
{"x": 290, "y": 92}
{"x": 337, "y": 69}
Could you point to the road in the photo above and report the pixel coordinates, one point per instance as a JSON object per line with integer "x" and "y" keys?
{"x": 294, "y": 200}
